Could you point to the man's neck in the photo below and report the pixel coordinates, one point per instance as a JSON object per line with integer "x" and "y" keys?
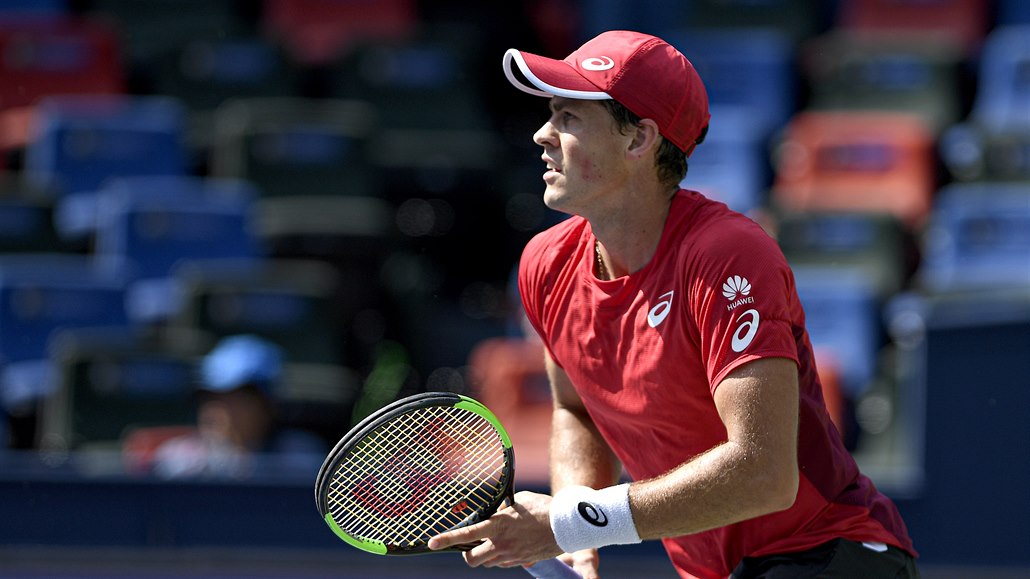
{"x": 629, "y": 235}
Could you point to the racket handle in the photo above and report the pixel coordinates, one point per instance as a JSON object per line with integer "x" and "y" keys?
{"x": 552, "y": 569}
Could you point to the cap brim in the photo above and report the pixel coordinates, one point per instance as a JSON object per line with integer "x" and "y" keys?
{"x": 548, "y": 77}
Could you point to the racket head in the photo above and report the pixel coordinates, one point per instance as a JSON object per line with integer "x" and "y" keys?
{"x": 420, "y": 466}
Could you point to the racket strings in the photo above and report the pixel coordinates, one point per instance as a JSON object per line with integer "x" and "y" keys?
{"x": 415, "y": 484}
{"x": 418, "y": 475}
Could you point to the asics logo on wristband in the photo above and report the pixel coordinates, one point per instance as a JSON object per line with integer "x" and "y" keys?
{"x": 592, "y": 514}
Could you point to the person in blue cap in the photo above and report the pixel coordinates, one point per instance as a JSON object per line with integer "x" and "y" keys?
{"x": 235, "y": 414}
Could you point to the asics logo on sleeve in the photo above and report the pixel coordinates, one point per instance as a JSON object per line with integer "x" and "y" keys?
{"x": 660, "y": 311}
{"x": 745, "y": 331}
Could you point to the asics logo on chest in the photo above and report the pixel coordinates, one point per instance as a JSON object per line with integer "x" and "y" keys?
{"x": 661, "y": 310}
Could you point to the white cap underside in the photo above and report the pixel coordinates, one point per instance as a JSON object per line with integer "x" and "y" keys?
{"x": 542, "y": 88}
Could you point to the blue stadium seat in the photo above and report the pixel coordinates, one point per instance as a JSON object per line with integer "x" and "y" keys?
{"x": 84, "y": 140}
{"x": 152, "y": 29}
{"x": 33, "y": 7}
{"x": 843, "y": 321}
{"x": 889, "y": 72}
{"x": 295, "y": 146}
{"x": 795, "y": 19}
{"x": 205, "y": 72}
{"x": 994, "y": 142}
{"x": 148, "y": 225}
{"x": 26, "y": 225}
{"x": 407, "y": 79}
{"x": 875, "y": 243}
{"x": 108, "y": 380}
{"x": 730, "y": 165}
{"x": 1003, "y": 89}
{"x": 1010, "y": 12}
{"x": 979, "y": 239}
{"x": 751, "y": 68}
{"x": 293, "y": 303}
{"x": 152, "y": 223}
{"x": 43, "y": 293}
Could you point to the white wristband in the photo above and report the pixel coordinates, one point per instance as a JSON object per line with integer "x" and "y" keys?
{"x": 584, "y": 518}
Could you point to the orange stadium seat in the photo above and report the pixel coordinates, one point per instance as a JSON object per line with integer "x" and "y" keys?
{"x": 318, "y": 31}
{"x": 508, "y": 376}
{"x": 42, "y": 57}
{"x": 964, "y": 22}
{"x": 856, "y": 161}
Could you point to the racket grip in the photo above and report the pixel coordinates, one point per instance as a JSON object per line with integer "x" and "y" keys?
{"x": 552, "y": 569}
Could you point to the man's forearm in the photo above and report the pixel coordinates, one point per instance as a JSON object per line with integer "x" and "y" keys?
{"x": 579, "y": 456}
{"x": 722, "y": 486}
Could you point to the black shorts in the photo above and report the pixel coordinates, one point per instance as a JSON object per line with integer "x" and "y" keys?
{"x": 837, "y": 559}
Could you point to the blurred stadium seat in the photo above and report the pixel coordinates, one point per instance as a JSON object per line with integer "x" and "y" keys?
{"x": 794, "y": 19}
{"x": 961, "y": 22}
{"x": 51, "y": 56}
{"x": 153, "y": 29}
{"x": 41, "y": 293}
{"x": 292, "y": 303}
{"x": 731, "y": 164}
{"x": 752, "y": 68}
{"x": 46, "y": 8}
{"x": 978, "y": 239}
{"x": 508, "y": 376}
{"x": 1010, "y": 12}
{"x": 856, "y": 161}
{"x": 295, "y": 146}
{"x": 149, "y": 224}
{"x": 1003, "y": 87}
{"x": 876, "y": 244}
{"x": 26, "y": 222}
{"x": 108, "y": 381}
{"x": 316, "y": 32}
{"x": 887, "y": 72}
{"x": 994, "y": 142}
{"x": 423, "y": 82}
{"x": 204, "y": 73}
{"x": 842, "y": 314}
{"x": 83, "y": 140}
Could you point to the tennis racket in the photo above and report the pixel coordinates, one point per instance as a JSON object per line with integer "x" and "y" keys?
{"x": 423, "y": 465}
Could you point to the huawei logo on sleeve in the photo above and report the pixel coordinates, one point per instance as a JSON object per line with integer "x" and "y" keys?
{"x": 737, "y": 289}
{"x": 736, "y": 286}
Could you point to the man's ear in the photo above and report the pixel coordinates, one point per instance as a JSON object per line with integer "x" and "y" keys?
{"x": 645, "y": 138}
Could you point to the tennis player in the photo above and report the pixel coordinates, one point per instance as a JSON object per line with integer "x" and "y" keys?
{"x": 676, "y": 349}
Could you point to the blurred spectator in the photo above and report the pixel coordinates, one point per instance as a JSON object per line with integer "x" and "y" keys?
{"x": 236, "y": 417}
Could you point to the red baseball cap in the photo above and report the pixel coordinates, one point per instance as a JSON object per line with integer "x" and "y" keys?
{"x": 642, "y": 72}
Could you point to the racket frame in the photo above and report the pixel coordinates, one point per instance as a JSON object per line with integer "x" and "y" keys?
{"x": 384, "y": 415}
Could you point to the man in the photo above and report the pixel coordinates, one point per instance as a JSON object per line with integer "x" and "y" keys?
{"x": 676, "y": 349}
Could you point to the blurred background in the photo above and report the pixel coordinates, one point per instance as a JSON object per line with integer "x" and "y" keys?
{"x": 230, "y": 229}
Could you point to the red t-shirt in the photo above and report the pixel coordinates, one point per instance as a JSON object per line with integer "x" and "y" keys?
{"x": 647, "y": 351}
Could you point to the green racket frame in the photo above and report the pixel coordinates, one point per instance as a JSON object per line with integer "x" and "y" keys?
{"x": 370, "y": 425}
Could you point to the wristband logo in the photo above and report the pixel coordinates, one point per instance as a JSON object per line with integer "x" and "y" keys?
{"x": 592, "y": 514}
